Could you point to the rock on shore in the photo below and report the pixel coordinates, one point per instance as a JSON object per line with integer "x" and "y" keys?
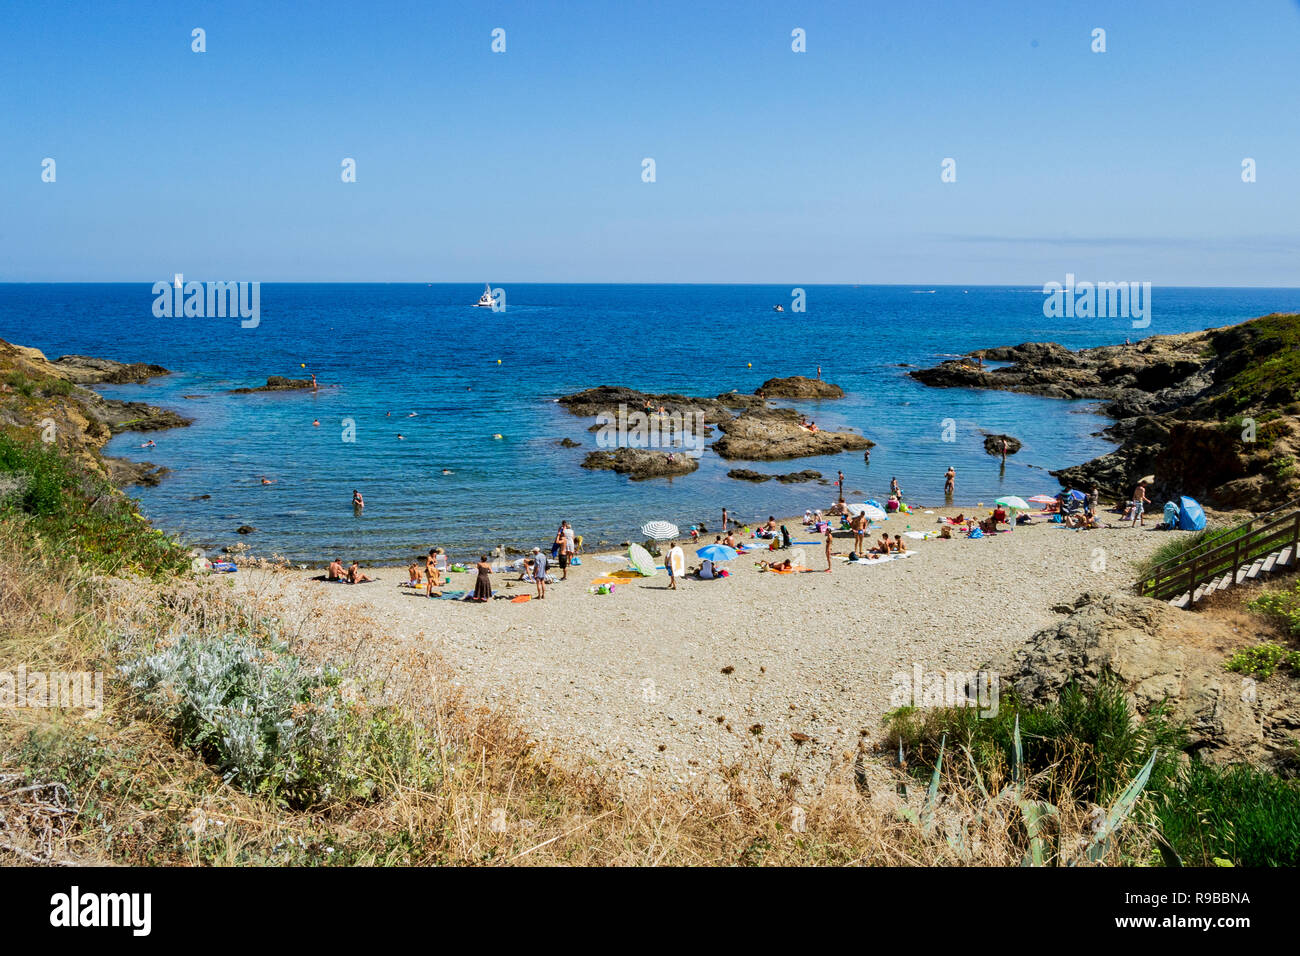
{"x": 1213, "y": 414}
{"x": 1159, "y": 654}
{"x": 38, "y": 393}
{"x": 640, "y": 464}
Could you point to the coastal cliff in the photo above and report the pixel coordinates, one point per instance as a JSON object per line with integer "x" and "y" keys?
{"x": 49, "y": 400}
{"x": 1213, "y": 414}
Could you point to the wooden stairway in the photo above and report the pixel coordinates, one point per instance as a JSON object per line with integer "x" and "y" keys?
{"x": 1261, "y": 567}
{"x": 1245, "y": 552}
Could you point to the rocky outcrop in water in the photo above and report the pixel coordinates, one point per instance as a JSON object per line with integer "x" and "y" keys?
{"x": 993, "y": 444}
{"x": 277, "y": 383}
{"x": 640, "y": 464}
{"x": 1214, "y": 414}
{"x": 606, "y": 399}
{"x": 88, "y": 370}
{"x": 770, "y": 434}
{"x": 798, "y": 386}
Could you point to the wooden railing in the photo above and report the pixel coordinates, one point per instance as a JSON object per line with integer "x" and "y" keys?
{"x": 1242, "y": 544}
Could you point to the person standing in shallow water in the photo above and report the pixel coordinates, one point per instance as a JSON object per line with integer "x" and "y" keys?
{"x": 949, "y": 482}
{"x": 724, "y": 520}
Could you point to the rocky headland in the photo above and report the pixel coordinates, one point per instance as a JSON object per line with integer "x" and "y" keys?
{"x": 50, "y": 400}
{"x": 1214, "y": 414}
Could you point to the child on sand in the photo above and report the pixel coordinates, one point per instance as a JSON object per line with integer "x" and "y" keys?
{"x": 829, "y": 540}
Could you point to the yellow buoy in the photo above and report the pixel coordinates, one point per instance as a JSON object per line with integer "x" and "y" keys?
{"x": 750, "y": 365}
{"x": 498, "y": 361}
{"x": 497, "y": 436}
{"x": 302, "y": 364}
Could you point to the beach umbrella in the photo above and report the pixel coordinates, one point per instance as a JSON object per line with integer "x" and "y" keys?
{"x": 660, "y": 530}
{"x": 1013, "y": 503}
{"x": 1078, "y": 495}
{"x": 717, "y": 552}
{"x": 1149, "y": 479}
{"x": 1042, "y": 499}
{"x": 640, "y": 559}
{"x": 871, "y": 511}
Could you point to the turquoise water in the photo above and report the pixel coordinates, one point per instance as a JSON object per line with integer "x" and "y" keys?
{"x": 384, "y": 351}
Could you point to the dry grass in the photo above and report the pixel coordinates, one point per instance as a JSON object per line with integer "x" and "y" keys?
{"x": 474, "y": 787}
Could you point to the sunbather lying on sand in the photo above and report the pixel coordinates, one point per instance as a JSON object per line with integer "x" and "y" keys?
{"x": 775, "y": 565}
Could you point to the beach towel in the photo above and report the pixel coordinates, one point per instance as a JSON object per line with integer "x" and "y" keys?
{"x": 449, "y": 596}
{"x": 521, "y": 599}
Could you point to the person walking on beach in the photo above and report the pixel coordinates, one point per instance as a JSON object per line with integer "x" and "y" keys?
{"x": 949, "y": 482}
{"x": 539, "y": 572}
{"x": 829, "y": 539}
{"x": 1140, "y": 501}
{"x": 676, "y": 564}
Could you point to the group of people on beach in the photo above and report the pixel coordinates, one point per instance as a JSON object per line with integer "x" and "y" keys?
{"x": 353, "y": 574}
{"x": 534, "y": 568}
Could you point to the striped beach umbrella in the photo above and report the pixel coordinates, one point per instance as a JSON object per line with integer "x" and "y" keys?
{"x": 1013, "y": 503}
{"x": 660, "y": 530}
{"x": 1042, "y": 499}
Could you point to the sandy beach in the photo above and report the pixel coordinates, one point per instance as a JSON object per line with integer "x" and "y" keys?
{"x": 674, "y": 683}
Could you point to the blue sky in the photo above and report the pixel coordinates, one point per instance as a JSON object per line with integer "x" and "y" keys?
{"x": 772, "y": 166}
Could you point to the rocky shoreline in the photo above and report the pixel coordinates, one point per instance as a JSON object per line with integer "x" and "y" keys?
{"x": 54, "y": 398}
{"x": 1213, "y": 414}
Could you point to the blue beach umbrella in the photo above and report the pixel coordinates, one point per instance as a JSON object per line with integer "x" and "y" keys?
{"x": 717, "y": 552}
{"x": 1078, "y": 495}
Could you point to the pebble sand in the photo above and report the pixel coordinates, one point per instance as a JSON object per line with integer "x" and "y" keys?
{"x": 674, "y": 682}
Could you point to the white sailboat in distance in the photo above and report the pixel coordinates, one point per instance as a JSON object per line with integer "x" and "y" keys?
{"x": 485, "y": 300}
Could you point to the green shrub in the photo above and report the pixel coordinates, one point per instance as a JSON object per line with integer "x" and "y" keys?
{"x": 1281, "y": 606}
{"x": 80, "y": 513}
{"x": 1263, "y": 660}
{"x": 1233, "y": 812}
{"x": 268, "y": 723}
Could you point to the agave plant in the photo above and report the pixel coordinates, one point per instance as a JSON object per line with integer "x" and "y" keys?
{"x": 1033, "y": 813}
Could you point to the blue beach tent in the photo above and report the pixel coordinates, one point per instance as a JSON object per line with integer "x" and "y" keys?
{"x": 1190, "y": 515}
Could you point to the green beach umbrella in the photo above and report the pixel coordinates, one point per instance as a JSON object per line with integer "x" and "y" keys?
{"x": 1014, "y": 503}
{"x": 640, "y": 559}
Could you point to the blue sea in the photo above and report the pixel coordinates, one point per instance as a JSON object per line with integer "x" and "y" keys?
{"x": 384, "y": 351}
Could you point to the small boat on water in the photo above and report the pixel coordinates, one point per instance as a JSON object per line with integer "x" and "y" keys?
{"x": 485, "y": 300}
{"x": 778, "y": 308}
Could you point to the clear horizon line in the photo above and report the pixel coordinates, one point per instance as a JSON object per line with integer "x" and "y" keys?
{"x": 425, "y": 282}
